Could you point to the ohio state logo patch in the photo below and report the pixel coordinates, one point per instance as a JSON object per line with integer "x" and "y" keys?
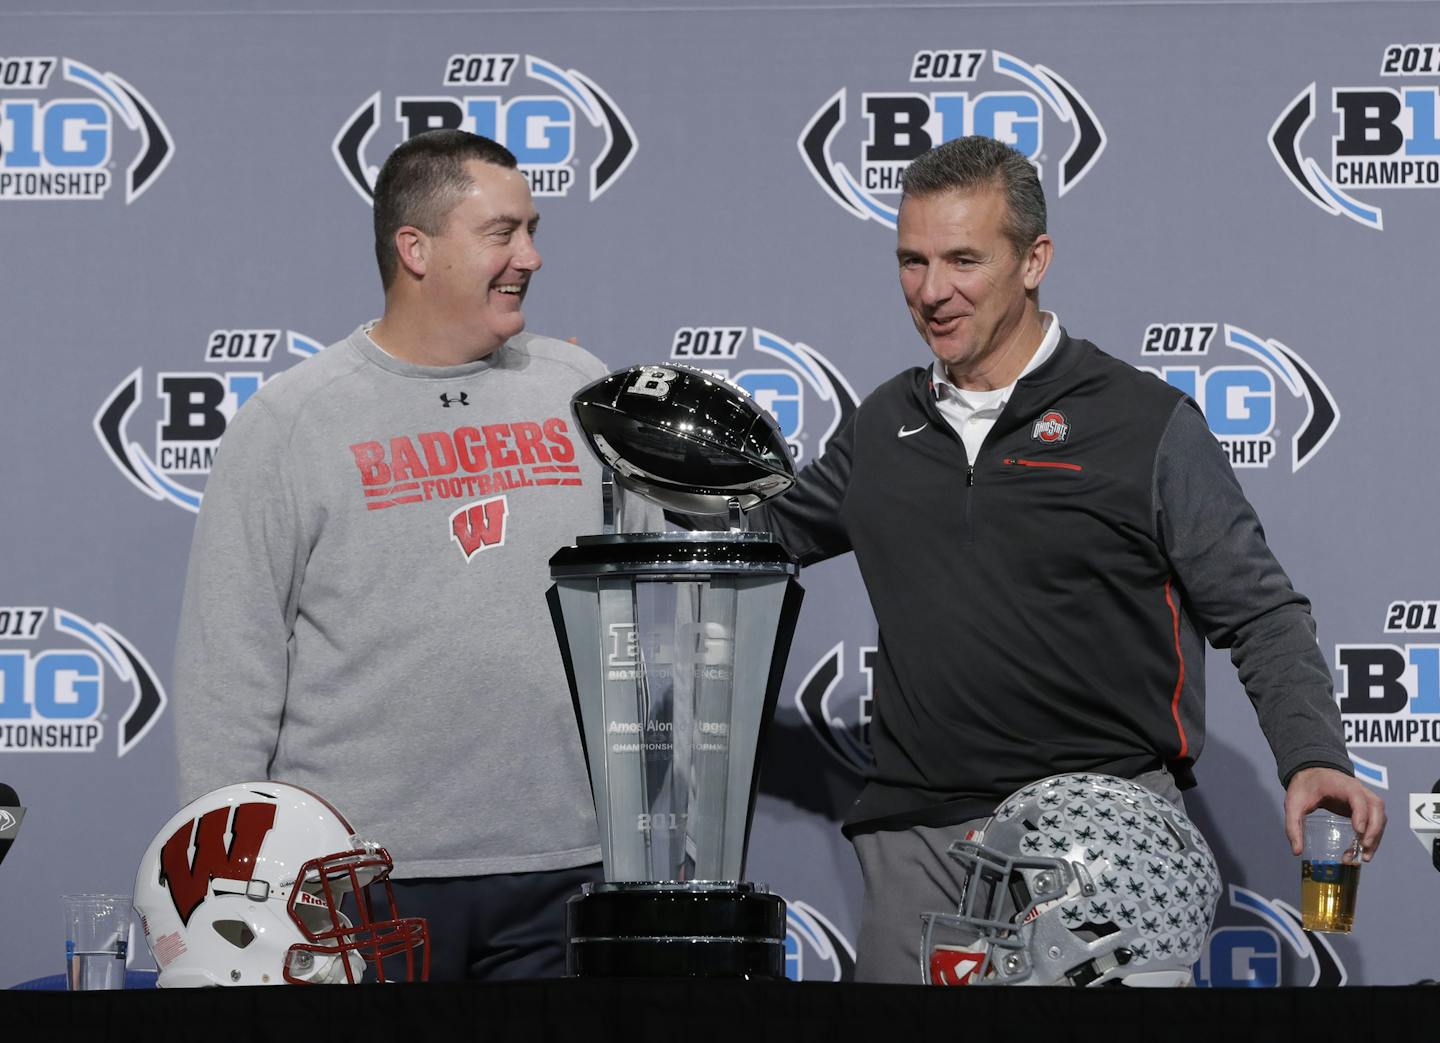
{"x": 1051, "y": 428}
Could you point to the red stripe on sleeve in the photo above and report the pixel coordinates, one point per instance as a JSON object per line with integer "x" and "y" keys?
{"x": 1180, "y": 677}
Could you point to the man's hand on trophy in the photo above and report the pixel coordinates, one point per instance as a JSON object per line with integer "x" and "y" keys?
{"x": 1333, "y": 790}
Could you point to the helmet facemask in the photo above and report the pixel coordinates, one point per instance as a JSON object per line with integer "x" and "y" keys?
{"x": 992, "y": 938}
{"x": 337, "y": 948}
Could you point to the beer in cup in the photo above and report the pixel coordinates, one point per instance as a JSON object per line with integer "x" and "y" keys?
{"x": 1329, "y": 874}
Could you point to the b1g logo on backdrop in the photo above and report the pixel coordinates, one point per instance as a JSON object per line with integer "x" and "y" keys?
{"x": 1389, "y": 692}
{"x": 1240, "y": 397}
{"x": 960, "y": 92}
{"x": 64, "y": 127}
{"x": 192, "y": 409}
{"x": 836, "y": 699}
{"x": 815, "y": 950}
{"x": 1384, "y": 137}
{"x": 808, "y": 397}
{"x": 55, "y": 668}
{"x": 554, "y": 120}
{"x": 1273, "y": 953}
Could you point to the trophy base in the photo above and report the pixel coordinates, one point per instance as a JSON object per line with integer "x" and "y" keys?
{"x": 665, "y": 930}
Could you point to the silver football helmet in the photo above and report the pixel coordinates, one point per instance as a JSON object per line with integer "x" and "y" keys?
{"x": 1078, "y": 879}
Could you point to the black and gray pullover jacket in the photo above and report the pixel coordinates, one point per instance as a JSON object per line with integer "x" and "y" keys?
{"x": 1044, "y": 607}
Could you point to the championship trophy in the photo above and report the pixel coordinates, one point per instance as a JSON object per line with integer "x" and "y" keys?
{"x": 674, "y": 646}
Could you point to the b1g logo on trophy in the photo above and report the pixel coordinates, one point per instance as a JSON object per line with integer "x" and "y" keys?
{"x": 674, "y": 645}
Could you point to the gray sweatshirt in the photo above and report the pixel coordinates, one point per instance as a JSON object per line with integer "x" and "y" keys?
{"x": 364, "y": 612}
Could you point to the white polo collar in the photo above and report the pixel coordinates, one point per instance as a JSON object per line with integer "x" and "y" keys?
{"x": 994, "y": 401}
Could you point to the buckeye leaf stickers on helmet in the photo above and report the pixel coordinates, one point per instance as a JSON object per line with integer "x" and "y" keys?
{"x": 1078, "y": 879}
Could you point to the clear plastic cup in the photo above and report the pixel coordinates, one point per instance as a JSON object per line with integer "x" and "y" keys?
{"x": 97, "y": 940}
{"x": 1329, "y": 874}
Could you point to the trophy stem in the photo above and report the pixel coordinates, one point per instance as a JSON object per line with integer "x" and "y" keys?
{"x": 609, "y": 495}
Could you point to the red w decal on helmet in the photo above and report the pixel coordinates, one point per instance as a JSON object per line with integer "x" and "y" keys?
{"x": 189, "y": 881}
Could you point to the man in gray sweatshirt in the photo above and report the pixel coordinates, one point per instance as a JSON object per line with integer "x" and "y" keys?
{"x": 364, "y": 612}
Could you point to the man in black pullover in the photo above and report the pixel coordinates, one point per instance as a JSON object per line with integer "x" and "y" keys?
{"x": 1048, "y": 537}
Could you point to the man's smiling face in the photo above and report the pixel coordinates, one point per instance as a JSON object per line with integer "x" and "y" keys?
{"x": 963, "y": 281}
{"x": 480, "y": 262}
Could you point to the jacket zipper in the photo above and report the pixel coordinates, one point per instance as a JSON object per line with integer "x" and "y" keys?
{"x": 969, "y": 503}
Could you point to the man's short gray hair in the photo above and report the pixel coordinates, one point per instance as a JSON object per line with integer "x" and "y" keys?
{"x": 969, "y": 163}
{"x": 420, "y": 184}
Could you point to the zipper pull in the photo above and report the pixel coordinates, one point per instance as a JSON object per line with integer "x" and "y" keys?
{"x": 970, "y": 475}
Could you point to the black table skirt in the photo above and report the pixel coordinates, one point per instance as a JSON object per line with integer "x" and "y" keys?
{"x": 578, "y": 1011}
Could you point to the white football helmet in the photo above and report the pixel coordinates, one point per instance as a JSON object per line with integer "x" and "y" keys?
{"x": 1076, "y": 880}
{"x": 243, "y": 887}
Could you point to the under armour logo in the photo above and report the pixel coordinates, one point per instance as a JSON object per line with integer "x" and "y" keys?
{"x": 461, "y": 399}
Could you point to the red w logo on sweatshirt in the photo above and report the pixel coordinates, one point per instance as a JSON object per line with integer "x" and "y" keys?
{"x": 479, "y": 525}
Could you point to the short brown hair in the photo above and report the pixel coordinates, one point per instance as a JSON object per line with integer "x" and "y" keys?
{"x": 968, "y": 163}
{"x": 420, "y": 184}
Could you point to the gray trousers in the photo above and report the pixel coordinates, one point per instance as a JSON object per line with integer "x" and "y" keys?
{"x": 907, "y": 873}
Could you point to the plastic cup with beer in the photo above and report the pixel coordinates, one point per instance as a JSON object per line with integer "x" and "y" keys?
{"x": 1329, "y": 873}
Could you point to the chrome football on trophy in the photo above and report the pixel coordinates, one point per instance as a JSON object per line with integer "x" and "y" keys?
{"x": 674, "y": 646}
